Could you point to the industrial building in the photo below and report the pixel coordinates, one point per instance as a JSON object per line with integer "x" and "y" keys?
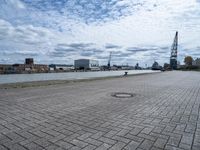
{"x": 29, "y": 61}
{"x": 60, "y": 67}
{"x": 5, "y": 69}
{"x": 35, "y": 68}
{"x": 27, "y": 67}
{"x": 30, "y": 67}
{"x": 156, "y": 66}
{"x": 86, "y": 64}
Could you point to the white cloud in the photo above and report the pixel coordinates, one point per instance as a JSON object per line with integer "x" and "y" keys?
{"x": 17, "y": 3}
{"x": 38, "y": 27}
{"x": 25, "y": 39}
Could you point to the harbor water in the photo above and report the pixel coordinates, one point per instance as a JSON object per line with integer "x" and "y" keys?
{"x": 14, "y": 78}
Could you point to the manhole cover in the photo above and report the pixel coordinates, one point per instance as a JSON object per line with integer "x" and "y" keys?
{"x": 122, "y": 95}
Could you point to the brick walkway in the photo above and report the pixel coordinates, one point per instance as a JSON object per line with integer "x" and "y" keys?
{"x": 164, "y": 114}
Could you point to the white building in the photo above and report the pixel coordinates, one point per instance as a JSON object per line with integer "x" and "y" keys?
{"x": 86, "y": 64}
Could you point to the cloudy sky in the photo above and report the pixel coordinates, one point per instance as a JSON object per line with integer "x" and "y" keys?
{"x": 59, "y": 31}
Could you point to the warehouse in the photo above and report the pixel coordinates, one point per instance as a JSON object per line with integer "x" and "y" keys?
{"x": 86, "y": 64}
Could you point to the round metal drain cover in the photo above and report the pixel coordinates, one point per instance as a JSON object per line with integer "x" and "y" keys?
{"x": 122, "y": 95}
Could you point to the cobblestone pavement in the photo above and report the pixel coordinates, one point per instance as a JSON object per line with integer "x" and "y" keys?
{"x": 164, "y": 114}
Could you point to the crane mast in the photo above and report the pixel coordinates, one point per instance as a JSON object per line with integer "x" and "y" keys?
{"x": 109, "y": 60}
{"x": 174, "y": 48}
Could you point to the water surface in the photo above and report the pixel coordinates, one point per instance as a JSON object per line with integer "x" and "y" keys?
{"x": 14, "y": 78}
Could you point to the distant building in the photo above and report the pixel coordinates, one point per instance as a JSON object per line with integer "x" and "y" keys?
{"x": 6, "y": 69}
{"x": 35, "y": 68}
{"x": 105, "y": 67}
{"x": 86, "y": 64}
{"x": 27, "y": 67}
{"x": 156, "y": 66}
{"x": 196, "y": 62}
{"x": 126, "y": 67}
{"x": 137, "y": 67}
{"x": 29, "y": 61}
{"x": 114, "y": 67}
{"x": 61, "y": 67}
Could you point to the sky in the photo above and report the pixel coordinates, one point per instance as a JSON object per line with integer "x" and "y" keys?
{"x": 135, "y": 31}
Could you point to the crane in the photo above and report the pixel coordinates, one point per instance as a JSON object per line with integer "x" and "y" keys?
{"x": 174, "y": 48}
{"x": 109, "y": 60}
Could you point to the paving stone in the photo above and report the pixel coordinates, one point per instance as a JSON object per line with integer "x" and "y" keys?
{"x": 84, "y": 136}
{"x": 71, "y": 137}
{"x": 64, "y": 144}
{"x": 132, "y": 145}
{"x": 3, "y": 148}
{"x": 195, "y": 147}
{"x": 147, "y": 130}
{"x": 57, "y": 138}
{"x": 156, "y": 148}
{"x": 52, "y": 147}
{"x": 184, "y": 146}
{"x": 75, "y": 148}
{"x": 93, "y": 141}
{"x": 97, "y": 135}
{"x": 123, "y": 132}
{"x": 17, "y": 147}
{"x": 42, "y": 142}
{"x": 174, "y": 141}
{"x": 118, "y": 146}
{"x": 160, "y": 143}
{"x": 170, "y": 147}
{"x": 103, "y": 147}
{"x": 164, "y": 114}
{"x": 89, "y": 147}
{"x": 15, "y": 137}
{"x": 79, "y": 143}
{"x": 187, "y": 139}
{"x": 121, "y": 139}
{"x": 107, "y": 140}
{"x": 148, "y": 137}
{"x": 33, "y": 146}
{"x": 136, "y": 131}
{"x": 134, "y": 138}
{"x": 146, "y": 144}
{"x": 180, "y": 127}
{"x": 159, "y": 135}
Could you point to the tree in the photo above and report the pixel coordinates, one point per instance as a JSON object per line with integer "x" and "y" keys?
{"x": 188, "y": 60}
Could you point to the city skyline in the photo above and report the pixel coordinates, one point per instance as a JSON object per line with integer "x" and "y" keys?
{"x": 60, "y": 31}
